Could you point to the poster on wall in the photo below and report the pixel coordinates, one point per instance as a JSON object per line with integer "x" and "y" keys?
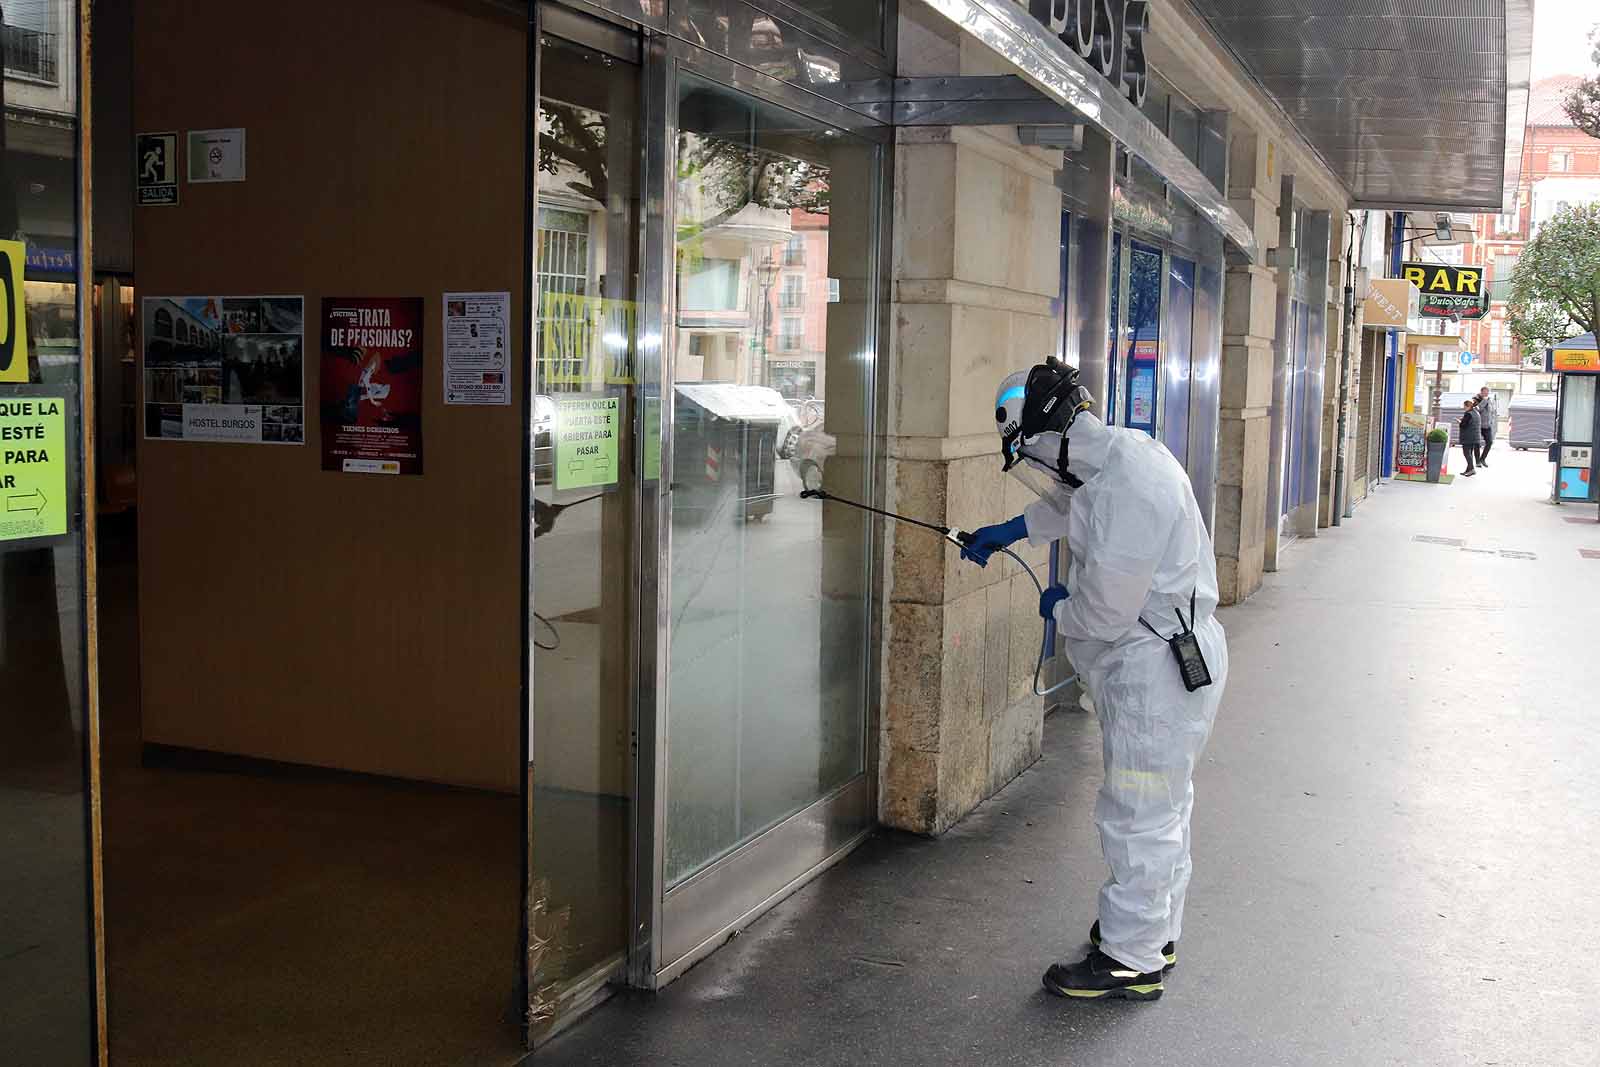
{"x": 1411, "y": 446}
{"x": 224, "y": 368}
{"x": 476, "y": 329}
{"x": 216, "y": 156}
{"x": 586, "y": 435}
{"x": 156, "y": 159}
{"x": 372, "y": 384}
{"x": 1142, "y": 397}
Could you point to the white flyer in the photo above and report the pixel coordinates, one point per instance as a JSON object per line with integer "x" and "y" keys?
{"x": 477, "y": 332}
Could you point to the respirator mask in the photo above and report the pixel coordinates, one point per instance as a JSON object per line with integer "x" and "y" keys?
{"x": 1033, "y": 412}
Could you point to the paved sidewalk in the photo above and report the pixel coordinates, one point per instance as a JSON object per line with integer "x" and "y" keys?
{"x": 1397, "y": 844}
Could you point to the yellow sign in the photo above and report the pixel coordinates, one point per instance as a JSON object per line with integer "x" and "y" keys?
{"x": 1575, "y": 360}
{"x": 1443, "y": 278}
{"x": 13, "y": 313}
{"x": 586, "y": 340}
{"x": 33, "y": 467}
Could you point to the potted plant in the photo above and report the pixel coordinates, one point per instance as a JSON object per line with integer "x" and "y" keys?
{"x": 1438, "y": 442}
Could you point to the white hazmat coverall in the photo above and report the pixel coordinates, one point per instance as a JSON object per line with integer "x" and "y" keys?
{"x": 1138, "y": 547}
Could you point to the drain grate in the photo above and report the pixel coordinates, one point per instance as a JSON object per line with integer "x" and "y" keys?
{"x": 1478, "y": 551}
{"x": 1577, "y": 519}
{"x": 1510, "y": 554}
{"x": 1429, "y": 539}
{"x": 1589, "y": 553}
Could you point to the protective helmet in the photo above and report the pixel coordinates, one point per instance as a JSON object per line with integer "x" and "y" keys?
{"x": 1033, "y": 411}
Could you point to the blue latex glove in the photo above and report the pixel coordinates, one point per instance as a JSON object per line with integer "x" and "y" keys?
{"x": 1048, "y": 601}
{"x": 988, "y": 540}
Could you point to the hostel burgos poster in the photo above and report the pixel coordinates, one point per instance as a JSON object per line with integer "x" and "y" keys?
{"x": 372, "y": 384}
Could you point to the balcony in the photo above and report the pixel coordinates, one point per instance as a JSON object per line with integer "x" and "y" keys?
{"x": 31, "y": 54}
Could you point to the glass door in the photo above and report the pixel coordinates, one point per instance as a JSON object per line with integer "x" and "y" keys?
{"x": 1178, "y": 365}
{"x": 1295, "y": 426}
{"x": 1142, "y": 347}
{"x": 772, "y": 391}
{"x": 582, "y": 525}
{"x": 51, "y": 990}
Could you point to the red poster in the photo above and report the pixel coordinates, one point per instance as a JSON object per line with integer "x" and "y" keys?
{"x": 372, "y": 384}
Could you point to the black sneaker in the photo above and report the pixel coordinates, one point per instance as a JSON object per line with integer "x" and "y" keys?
{"x": 1169, "y": 951}
{"x": 1098, "y": 976}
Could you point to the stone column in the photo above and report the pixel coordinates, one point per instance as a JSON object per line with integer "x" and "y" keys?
{"x": 1248, "y": 323}
{"x": 976, "y": 263}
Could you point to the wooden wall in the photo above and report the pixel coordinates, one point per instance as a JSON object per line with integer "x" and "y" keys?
{"x": 354, "y": 621}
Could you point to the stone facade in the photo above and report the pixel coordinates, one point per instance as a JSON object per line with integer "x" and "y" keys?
{"x": 975, "y": 268}
{"x": 1249, "y": 326}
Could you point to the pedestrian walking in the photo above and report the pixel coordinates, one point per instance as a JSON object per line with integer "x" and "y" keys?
{"x": 1470, "y": 435}
{"x": 1488, "y": 416}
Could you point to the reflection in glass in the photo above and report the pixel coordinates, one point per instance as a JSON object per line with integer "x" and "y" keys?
{"x": 862, "y": 18}
{"x": 1114, "y": 327}
{"x": 768, "y": 614}
{"x": 46, "y": 968}
{"x": 585, "y": 324}
{"x": 1180, "y": 329}
{"x": 1577, "y": 409}
{"x": 1140, "y": 390}
{"x": 1299, "y": 375}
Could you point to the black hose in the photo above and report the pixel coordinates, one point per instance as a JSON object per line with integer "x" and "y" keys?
{"x": 964, "y": 538}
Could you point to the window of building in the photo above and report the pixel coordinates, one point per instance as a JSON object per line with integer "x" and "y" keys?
{"x": 1510, "y": 222}
{"x": 710, "y": 285}
{"x": 794, "y": 291}
{"x": 1560, "y": 161}
{"x": 791, "y": 333}
{"x": 795, "y": 253}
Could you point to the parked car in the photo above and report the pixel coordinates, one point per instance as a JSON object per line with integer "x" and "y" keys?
{"x": 1533, "y": 422}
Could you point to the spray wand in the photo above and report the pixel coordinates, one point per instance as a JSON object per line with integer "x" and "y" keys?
{"x": 961, "y": 539}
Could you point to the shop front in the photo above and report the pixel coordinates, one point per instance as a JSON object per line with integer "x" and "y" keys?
{"x": 472, "y": 652}
{"x": 467, "y": 652}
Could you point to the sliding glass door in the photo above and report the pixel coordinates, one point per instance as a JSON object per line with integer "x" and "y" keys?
{"x": 771, "y": 391}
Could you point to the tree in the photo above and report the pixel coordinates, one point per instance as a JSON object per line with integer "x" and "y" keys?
{"x": 735, "y": 173}
{"x": 1582, "y": 104}
{"x": 1555, "y": 290}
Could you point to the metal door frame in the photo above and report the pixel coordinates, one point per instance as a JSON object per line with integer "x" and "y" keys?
{"x": 1205, "y": 342}
{"x": 675, "y": 928}
{"x": 549, "y": 19}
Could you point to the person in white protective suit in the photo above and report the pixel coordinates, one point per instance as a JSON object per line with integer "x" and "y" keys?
{"x": 1136, "y": 609}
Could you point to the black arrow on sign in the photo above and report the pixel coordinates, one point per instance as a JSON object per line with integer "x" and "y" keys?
{"x": 21, "y": 503}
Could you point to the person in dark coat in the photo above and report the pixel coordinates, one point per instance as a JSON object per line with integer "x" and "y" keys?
{"x": 1471, "y": 435}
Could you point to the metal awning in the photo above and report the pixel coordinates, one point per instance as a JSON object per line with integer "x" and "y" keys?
{"x": 1413, "y": 104}
{"x": 1067, "y": 80}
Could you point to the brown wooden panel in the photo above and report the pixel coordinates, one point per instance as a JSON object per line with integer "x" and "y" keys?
{"x": 354, "y": 621}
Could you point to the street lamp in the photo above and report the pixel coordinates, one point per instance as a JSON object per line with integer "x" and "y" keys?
{"x": 767, "y": 275}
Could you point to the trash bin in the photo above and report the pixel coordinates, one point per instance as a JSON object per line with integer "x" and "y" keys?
{"x": 725, "y": 440}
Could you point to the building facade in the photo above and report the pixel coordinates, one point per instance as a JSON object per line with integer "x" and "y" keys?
{"x": 1560, "y": 166}
{"x": 581, "y": 689}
